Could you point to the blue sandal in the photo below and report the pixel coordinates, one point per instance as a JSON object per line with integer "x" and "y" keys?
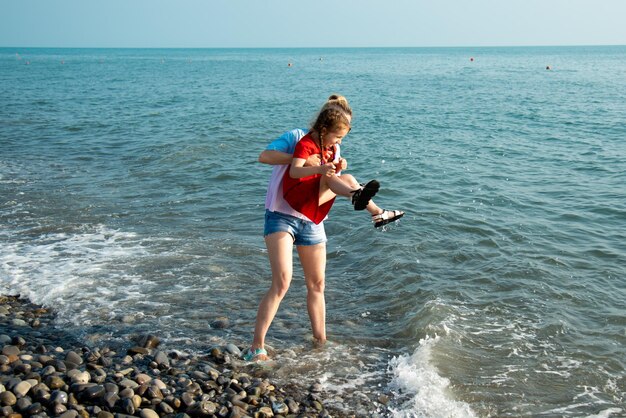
{"x": 249, "y": 355}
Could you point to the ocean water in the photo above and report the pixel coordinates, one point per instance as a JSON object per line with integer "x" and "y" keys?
{"x": 131, "y": 201}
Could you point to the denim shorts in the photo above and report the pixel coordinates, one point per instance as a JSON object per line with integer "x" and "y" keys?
{"x": 303, "y": 232}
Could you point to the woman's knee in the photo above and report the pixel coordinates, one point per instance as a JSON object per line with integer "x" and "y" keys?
{"x": 316, "y": 285}
{"x": 280, "y": 286}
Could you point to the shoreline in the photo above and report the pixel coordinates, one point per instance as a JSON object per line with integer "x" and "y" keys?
{"x": 48, "y": 372}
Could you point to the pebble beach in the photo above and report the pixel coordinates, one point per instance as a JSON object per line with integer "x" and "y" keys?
{"x": 46, "y": 372}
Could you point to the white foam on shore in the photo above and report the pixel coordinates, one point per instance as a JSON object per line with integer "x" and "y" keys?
{"x": 606, "y": 413}
{"x": 71, "y": 272}
{"x": 428, "y": 394}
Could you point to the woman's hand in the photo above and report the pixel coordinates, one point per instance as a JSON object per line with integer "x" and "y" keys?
{"x": 328, "y": 169}
{"x": 313, "y": 160}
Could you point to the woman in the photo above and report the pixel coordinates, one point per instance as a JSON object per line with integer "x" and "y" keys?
{"x": 284, "y": 227}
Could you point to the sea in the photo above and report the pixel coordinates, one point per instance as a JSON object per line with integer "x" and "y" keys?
{"x": 132, "y": 202}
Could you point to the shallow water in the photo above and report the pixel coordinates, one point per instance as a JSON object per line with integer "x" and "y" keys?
{"x": 131, "y": 201}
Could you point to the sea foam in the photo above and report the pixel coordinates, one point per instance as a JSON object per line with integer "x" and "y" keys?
{"x": 427, "y": 393}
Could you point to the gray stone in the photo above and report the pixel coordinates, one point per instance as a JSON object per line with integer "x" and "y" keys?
{"x": 200, "y": 375}
{"x": 149, "y": 341}
{"x": 105, "y": 361}
{"x": 237, "y": 412}
{"x": 22, "y": 368}
{"x": 148, "y": 413}
{"x": 94, "y": 392}
{"x": 34, "y": 409}
{"x": 142, "y": 378}
{"x": 23, "y": 403}
{"x": 99, "y": 376}
{"x": 294, "y": 408}
{"x": 154, "y": 392}
{"x": 41, "y": 395}
{"x": 220, "y": 323}
{"x": 265, "y": 412}
{"x": 18, "y": 340}
{"x": 126, "y": 393}
{"x": 280, "y": 408}
{"x": 136, "y": 400}
{"x": 59, "y": 396}
{"x": 127, "y": 383}
{"x": 202, "y": 408}
{"x": 57, "y": 408}
{"x": 48, "y": 370}
{"x": 112, "y": 387}
{"x": 22, "y": 388}
{"x": 55, "y": 382}
{"x": 71, "y": 413}
{"x": 187, "y": 398}
{"x": 233, "y": 349}
{"x": 7, "y": 398}
{"x": 159, "y": 383}
{"x": 60, "y": 366}
{"x": 138, "y": 350}
{"x": 80, "y": 377}
{"x": 10, "y": 350}
{"x": 128, "y": 406}
{"x": 316, "y": 388}
{"x": 165, "y": 408}
{"x": 110, "y": 399}
{"x": 161, "y": 359}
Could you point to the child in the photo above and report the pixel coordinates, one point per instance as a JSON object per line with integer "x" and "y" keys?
{"x": 311, "y": 190}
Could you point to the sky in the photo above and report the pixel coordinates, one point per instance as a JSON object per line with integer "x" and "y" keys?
{"x": 319, "y": 23}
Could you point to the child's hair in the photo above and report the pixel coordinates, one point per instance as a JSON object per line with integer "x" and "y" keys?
{"x": 336, "y": 113}
{"x": 339, "y": 100}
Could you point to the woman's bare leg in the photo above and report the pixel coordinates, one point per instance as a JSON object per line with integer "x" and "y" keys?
{"x": 313, "y": 260}
{"x": 280, "y": 251}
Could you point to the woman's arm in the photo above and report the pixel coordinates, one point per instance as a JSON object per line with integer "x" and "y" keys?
{"x": 275, "y": 157}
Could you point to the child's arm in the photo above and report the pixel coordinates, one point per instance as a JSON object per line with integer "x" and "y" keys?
{"x": 298, "y": 170}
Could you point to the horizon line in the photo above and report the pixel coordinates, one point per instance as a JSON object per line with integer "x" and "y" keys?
{"x": 312, "y": 47}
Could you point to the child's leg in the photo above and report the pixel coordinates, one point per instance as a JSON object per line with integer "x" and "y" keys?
{"x": 333, "y": 186}
{"x": 343, "y": 185}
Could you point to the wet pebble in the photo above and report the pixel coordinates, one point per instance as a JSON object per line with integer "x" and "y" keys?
{"x": 148, "y": 413}
{"x": 220, "y": 323}
{"x": 21, "y": 389}
{"x": 41, "y": 375}
{"x": 7, "y": 398}
{"x": 58, "y": 396}
{"x": 72, "y": 357}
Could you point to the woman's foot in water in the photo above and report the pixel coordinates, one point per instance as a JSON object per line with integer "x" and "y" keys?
{"x": 255, "y": 354}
